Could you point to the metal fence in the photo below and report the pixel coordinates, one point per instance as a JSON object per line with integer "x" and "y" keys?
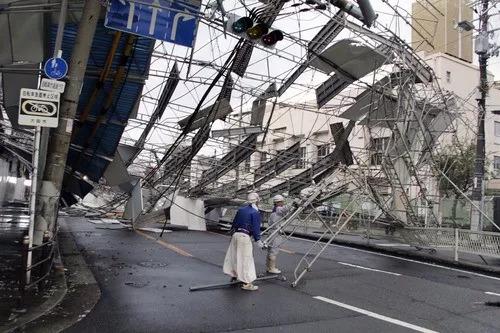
{"x": 459, "y": 240}
{"x": 41, "y": 264}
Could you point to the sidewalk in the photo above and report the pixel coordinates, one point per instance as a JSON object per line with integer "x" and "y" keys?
{"x": 392, "y": 245}
{"x": 13, "y": 312}
{"x": 72, "y": 293}
{"x": 12, "y": 227}
{"x": 82, "y": 290}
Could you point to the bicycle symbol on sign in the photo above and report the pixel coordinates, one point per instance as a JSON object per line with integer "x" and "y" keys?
{"x": 39, "y": 108}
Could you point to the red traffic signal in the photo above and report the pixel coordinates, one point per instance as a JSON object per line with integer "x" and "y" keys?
{"x": 272, "y": 38}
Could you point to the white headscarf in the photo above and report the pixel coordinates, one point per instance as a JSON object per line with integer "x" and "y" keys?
{"x": 253, "y": 198}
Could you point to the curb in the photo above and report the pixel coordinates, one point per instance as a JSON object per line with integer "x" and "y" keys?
{"x": 82, "y": 294}
{"x": 494, "y": 272}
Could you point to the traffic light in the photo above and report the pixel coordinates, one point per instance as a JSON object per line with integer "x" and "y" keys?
{"x": 255, "y": 31}
{"x": 272, "y": 38}
{"x": 241, "y": 25}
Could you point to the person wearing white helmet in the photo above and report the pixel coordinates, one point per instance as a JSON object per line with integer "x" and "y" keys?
{"x": 280, "y": 210}
{"x": 239, "y": 262}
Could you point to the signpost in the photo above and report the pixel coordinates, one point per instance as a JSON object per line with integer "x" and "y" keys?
{"x": 38, "y": 108}
{"x": 168, "y": 20}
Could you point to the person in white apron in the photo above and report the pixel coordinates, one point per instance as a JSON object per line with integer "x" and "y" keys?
{"x": 239, "y": 262}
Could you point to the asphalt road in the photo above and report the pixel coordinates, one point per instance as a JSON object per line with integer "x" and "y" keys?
{"x": 145, "y": 288}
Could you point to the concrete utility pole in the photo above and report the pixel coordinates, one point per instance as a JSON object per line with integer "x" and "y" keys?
{"x": 482, "y": 50}
{"x": 48, "y": 196}
{"x": 44, "y": 134}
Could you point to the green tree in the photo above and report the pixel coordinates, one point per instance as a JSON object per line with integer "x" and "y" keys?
{"x": 456, "y": 161}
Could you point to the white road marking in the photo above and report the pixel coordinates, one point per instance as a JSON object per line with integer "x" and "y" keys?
{"x": 368, "y": 269}
{"x": 375, "y": 315}
{"x": 490, "y": 293}
{"x": 409, "y": 260}
{"x": 393, "y": 245}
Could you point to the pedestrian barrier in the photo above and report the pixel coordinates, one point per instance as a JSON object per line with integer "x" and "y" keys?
{"x": 41, "y": 265}
{"x": 459, "y": 240}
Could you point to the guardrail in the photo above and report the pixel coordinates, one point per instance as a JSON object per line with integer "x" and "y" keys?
{"x": 41, "y": 265}
{"x": 459, "y": 240}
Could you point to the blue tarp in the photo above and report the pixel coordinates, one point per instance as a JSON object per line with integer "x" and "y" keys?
{"x": 99, "y": 148}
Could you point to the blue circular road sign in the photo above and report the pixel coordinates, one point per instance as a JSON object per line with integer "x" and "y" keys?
{"x": 56, "y": 68}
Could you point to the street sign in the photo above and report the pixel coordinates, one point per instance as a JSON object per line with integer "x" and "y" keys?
{"x": 52, "y": 85}
{"x": 38, "y": 108}
{"x": 56, "y": 68}
{"x": 168, "y": 20}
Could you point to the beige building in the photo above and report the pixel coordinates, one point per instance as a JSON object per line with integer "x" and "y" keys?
{"x": 434, "y": 24}
{"x": 462, "y": 78}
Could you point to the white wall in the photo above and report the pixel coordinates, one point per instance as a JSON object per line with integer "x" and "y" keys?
{"x": 463, "y": 80}
{"x": 188, "y": 212}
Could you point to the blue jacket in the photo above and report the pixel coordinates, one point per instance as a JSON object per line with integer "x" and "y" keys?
{"x": 248, "y": 218}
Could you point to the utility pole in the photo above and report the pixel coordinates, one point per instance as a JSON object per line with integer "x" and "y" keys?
{"x": 482, "y": 50}
{"x": 44, "y": 138}
{"x": 60, "y": 137}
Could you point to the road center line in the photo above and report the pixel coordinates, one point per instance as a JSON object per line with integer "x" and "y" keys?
{"x": 491, "y": 293}
{"x": 407, "y": 259}
{"x": 375, "y": 315}
{"x": 286, "y": 251}
{"x": 368, "y": 268}
{"x": 165, "y": 244}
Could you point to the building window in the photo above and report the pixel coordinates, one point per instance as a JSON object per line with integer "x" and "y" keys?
{"x": 496, "y": 166}
{"x": 246, "y": 166}
{"x": 497, "y": 131}
{"x": 301, "y": 161}
{"x": 378, "y": 147}
{"x": 448, "y": 76}
{"x": 323, "y": 150}
{"x": 263, "y": 158}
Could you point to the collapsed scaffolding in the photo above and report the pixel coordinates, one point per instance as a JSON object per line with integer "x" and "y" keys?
{"x": 402, "y": 111}
{"x": 415, "y": 116}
